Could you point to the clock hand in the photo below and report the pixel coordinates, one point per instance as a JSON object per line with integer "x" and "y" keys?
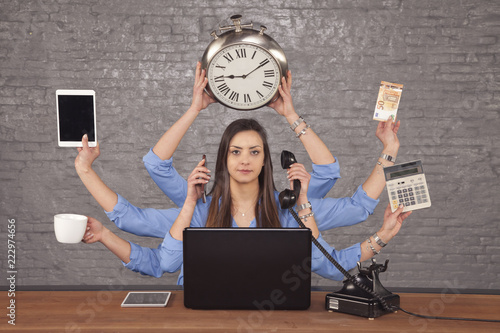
{"x": 244, "y": 76}
{"x": 234, "y": 76}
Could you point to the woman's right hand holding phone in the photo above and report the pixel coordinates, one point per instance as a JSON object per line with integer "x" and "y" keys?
{"x": 196, "y": 181}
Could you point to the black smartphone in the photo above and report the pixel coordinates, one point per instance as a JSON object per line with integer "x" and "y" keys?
{"x": 203, "y": 191}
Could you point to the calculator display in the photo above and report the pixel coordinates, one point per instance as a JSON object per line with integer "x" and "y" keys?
{"x": 407, "y": 186}
{"x": 403, "y": 173}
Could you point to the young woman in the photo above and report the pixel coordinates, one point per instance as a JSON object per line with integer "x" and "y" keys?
{"x": 243, "y": 195}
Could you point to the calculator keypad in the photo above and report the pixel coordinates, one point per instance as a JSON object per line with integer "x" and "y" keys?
{"x": 410, "y": 191}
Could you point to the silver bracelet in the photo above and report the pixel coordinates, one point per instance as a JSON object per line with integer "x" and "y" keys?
{"x": 388, "y": 157}
{"x": 375, "y": 252}
{"x": 303, "y": 131}
{"x": 304, "y": 206}
{"x": 378, "y": 240}
{"x": 304, "y": 217}
{"x": 297, "y": 123}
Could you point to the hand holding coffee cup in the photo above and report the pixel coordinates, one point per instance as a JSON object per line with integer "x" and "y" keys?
{"x": 94, "y": 231}
{"x": 70, "y": 228}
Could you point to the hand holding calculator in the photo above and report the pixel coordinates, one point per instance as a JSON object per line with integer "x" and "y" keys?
{"x": 406, "y": 185}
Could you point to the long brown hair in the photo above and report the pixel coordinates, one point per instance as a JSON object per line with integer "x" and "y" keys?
{"x": 219, "y": 213}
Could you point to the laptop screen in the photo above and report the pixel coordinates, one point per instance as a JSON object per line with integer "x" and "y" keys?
{"x": 247, "y": 268}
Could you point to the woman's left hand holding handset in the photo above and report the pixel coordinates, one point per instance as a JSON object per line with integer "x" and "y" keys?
{"x": 299, "y": 172}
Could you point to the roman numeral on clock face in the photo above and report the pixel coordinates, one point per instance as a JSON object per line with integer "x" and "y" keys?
{"x": 259, "y": 94}
{"x": 269, "y": 73}
{"x": 228, "y": 57}
{"x": 247, "y": 98}
{"x": 223, "y": 88}
{"x": 219, "y": 78}
{"x": 234, "y": 96}
{"x": 268, "y": 85}
{"x": 242, "y": 53}
{"x": 264, "y": 62}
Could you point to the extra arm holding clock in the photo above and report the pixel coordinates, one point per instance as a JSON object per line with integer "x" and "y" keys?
{"x": 168, "y": 143}
{"x": 283, "y": 105}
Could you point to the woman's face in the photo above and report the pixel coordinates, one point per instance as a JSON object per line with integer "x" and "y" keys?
{"x": 245, "y": 158}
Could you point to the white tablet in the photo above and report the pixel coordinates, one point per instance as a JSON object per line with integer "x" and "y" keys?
{"x": 146, "y": 299}
{"x": 76, "y": 116}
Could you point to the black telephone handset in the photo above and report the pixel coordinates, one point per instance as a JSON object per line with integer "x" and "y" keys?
{"x": 287, "y": 199}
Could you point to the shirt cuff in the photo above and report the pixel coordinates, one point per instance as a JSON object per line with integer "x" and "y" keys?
{"x": 135, "y": 253}
{"x": 172, "y": 244}
{"x": 329, "y": 171}
{"x": 152, "y": 159}
{"x": 364, "y": 200}
{"x": 119, "y": 210}
{"x": 353, "y": 251}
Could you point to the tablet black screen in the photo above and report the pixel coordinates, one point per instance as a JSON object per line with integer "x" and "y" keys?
{"x": 76, "y": 117}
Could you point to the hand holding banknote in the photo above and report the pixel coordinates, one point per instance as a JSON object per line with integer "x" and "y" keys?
{"x": 387, "y": 133}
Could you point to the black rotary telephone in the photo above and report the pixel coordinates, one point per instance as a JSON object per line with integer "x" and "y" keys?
{"x": 364, "y": 288}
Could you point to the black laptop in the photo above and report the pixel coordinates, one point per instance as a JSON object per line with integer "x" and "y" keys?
{"x": 247, "y": 268}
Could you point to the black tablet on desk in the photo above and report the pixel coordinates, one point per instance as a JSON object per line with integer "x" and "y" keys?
{"x": 247, "y": 268}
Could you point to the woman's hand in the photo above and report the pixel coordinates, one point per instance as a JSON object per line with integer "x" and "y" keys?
{"x": 86, "y": 155}
{"x": 392, "y": 222}
{"x": 94, "y": 231}
{"x": 200, "y": 98}
{"x": 284, "y": 104}
{"x": 298, "y": 171}
{"x": 387, "y": 133}
{"x": 200, "y": 176}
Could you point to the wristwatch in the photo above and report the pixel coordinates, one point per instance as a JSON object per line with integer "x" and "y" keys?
{"x": 388, "y": 157}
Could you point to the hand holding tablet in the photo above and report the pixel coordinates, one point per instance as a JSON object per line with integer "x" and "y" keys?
{"x": 76, "y": 116}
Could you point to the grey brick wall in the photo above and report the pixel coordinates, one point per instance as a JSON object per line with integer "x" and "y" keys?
{"x": 139, "y": 56}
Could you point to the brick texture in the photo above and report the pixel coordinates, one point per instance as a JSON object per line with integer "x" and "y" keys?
{"x": 140, "y": 56}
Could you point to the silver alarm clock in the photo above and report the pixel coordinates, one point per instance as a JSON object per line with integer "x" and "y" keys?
{"x": 243, "y": 66}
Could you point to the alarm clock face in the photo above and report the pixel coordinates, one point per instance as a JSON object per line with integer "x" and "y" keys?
{"x": 243, "y": 76}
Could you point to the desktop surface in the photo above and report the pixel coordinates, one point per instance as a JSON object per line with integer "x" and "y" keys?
{"x": 100, "y": 311}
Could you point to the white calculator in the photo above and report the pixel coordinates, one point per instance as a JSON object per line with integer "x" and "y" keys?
{"x": 406, "y": 185}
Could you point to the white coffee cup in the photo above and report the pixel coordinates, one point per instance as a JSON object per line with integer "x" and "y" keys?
{"x": 70, "y": 228}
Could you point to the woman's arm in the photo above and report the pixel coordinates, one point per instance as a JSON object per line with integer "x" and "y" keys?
{"x": 315, "y": 147}
{"x": 94, "y": 184}
{"x": 154, "y": 262}
{"x": 387, "y": 133}
{"x": 304, "y": 211}
{"x": 96, "y": 232}
{"x": 168, "y": 143}
{"x": 390, "y": 228}
{"x": 199, "y": 176}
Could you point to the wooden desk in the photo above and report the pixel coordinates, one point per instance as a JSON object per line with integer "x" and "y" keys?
{"x": 100, "y": 311}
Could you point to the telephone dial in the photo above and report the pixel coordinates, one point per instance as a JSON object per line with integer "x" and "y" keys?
{"x": 363, "y": 294}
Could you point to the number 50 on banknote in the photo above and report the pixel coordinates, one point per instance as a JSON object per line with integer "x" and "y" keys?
{"x": 388, "y": 99}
